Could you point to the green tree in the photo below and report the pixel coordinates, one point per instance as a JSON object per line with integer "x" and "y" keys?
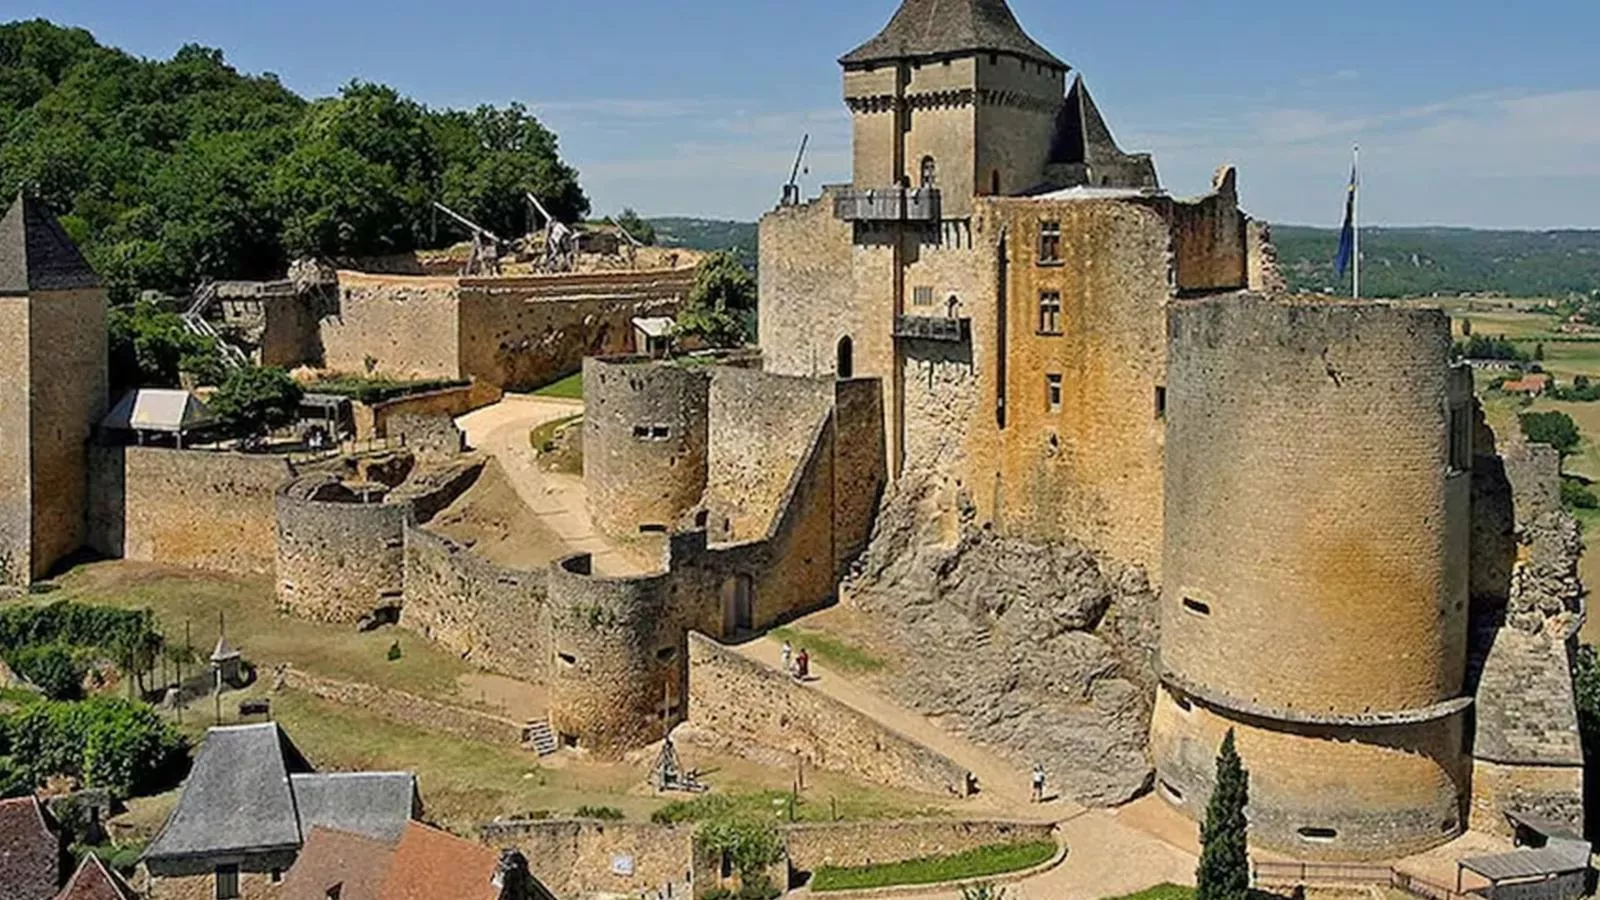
{"x": 253, "y": 400}
{"x": 1224, "y": 871}
{"x": 1586, "y": 690}
{"x": 110, "y": 743}
{"x": 149, "y": 346}
{"x": 642, "y": 230}
{"x": 1554, "y": 428}
{"x": 715, "y": 310}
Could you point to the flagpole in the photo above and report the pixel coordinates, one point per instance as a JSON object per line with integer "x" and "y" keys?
{"x": 1355, "y": 221}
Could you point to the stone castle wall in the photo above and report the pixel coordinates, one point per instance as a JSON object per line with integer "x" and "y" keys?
{"x": 403, "y": 328}
{"x": 807, "y": 295}
{"x": 16, "y": 476}
{"x": 573, "y": 857}
{"x": 67, "y": 382}
{"x": 374, "y": 421}
{"x": 1319, "y": 792}
{"x": 760, "y": 429}
{"x": 749, "y": 705}
{"x": 191, "y": 508}
{"x": 491, "y": 616}
{"x": 1300, "y": 399}
{"x": 617, "y": 681}
{"x": 400, "y": 706}
{"x": 1209, "y": 241}
{"x": 811, "y": 847}
{"x": 645, "y": 443}
{"x": 860, "y": 471}
{"x": 338, "y": 560}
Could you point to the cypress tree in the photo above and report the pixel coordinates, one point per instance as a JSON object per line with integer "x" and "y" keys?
{"x": 1224, "y": 872}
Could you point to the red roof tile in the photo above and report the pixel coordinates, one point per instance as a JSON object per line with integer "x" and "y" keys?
{"x": 93, "y": 881}
{"x": 357, "y": 864}
{"x": 30, "y": 852}
{"x": 431, "y": 864}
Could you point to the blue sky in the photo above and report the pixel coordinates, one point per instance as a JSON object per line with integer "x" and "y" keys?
{"x": 1469, "y": 112}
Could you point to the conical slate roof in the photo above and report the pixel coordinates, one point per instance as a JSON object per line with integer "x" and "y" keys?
{"x": 1080, "y": 129}
{"x": 943, "y": 27}
{"x": 37, "y": 255}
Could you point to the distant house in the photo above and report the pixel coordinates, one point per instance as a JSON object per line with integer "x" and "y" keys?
{"x": 31, "y": 851}
{"x": 426, "y": 864}
{"x": 1532, "y": 384}
{"x": 249, "y": 804}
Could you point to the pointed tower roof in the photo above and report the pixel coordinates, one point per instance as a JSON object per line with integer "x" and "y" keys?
{"x": 943, "y": 27}
{"x": 36, "y": 254}
{"x": 1080, "y": 129}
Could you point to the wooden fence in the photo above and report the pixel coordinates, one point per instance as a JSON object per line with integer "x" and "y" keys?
{"x": 1313, "y": 874}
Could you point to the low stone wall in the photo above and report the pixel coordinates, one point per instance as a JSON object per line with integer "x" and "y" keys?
{"x": 338, "y": 561}
{"x": 846, "y": 844}
{"x": 748, "y": 705}
{"x": 381, "y": 419}
{"x": 194, "y": 508}
{"x": 492, "y": 616}
{"x": 1553, "y": 793}
{"x": 400, "y": 706}
{"x": 582, "y": 857}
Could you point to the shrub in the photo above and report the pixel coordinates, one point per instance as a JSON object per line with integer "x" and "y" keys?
{"x": 608, "y": 813}
{"x": 394, "y": 651}
{"x": 109, "y": 743}
{"x": 1577, "y": 495}
{"x": 1554, "y": 428}
{"x": 51, "y": 668}
{"x": 254, "y": 400}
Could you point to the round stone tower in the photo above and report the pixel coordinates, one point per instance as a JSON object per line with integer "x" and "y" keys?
{"x": 1315, "y": 598}
{"x": 646, "y": 428}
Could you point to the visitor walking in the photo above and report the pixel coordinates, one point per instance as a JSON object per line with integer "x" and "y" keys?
{"x": 788, "y": 655}
{"x": 802, "y": 665}
{"x": 1038, "y": 783}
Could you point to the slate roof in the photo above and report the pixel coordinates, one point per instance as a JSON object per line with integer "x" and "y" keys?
{"x": 355, "y": 864}
{"x": 30, "y": 851}
{"x": 1558, "y": 857}
{"x": 376, "y": 805}
{"x": 36, "y": 254}
{"x": 430, "y": 864}
{"x": 93, "y": 881}
{"x": 922, "y": 28}
{"x": 158, "y": 409}
{"x": 237, "y": 797}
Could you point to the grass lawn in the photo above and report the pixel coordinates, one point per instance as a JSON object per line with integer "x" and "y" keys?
{"x": 254, "y": 625}
{"x": 820, "y": 804}
{"x": 832, "y": 651}
{"x": 993, "y": 860}
{"x": 570, "y": 387}
{"x": 1167, "y": 891}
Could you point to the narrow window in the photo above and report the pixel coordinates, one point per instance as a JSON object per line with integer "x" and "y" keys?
{"x": 1049, "y": 241}
{"x": 1049, "y": 312}
{"x": 567, "y": 659}
{"x": 641, "y": 431}
{"x": 922, "y": 296}
{"x": 929, "y": 172}
{"x": 659, "y": 432}
{"x": 1052, "y": 392}
{"x": 846, "y": 367}
{"x": 227, "y": 882}
{"x": 665, "y": 654}
{"x": 1161, "y": 402}
{"x": 1318, "y": 835}
{"x": 1196, "y": 607}
{"x": 994, "y": 182}
{"x": 652, "y": 528}
{"x": 276, "y": 875}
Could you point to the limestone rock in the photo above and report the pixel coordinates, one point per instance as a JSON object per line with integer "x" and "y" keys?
{"x": 1040, "y": 651}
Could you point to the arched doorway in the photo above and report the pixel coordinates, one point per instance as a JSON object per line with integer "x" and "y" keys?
{"x": 738, "y": 606}
{"x": 929, "y": 172}
{"x": 846, "y": 365}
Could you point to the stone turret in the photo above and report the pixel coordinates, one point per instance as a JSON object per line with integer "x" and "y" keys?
{"x": 52, "y": 390}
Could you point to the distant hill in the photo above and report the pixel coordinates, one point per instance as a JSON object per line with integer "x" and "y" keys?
{"x": 1409, "y": 262}
{"x": 708, "y": 234}
{"x": 1396, "y": 262}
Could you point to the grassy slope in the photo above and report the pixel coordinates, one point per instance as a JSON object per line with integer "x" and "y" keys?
{"x": 568, "y": 388}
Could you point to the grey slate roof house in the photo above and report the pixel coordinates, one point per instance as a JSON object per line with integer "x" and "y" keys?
{"x": 248, "y": 805}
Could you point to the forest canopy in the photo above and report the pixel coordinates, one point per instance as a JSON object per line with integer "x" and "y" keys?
{"x": 169, "y": 172}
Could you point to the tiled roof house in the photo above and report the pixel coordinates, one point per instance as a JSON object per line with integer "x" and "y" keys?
{"x": 30, "y": 851}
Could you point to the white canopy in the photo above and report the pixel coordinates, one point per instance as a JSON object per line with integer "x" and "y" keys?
{"x": 158, "y": 409}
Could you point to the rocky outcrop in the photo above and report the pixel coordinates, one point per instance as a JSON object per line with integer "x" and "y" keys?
{"x": 1042, "y": 652}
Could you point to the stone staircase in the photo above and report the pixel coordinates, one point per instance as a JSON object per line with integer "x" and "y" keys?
{"x": 539, "y": 738}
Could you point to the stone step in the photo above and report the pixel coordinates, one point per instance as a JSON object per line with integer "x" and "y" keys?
{"x": 540, "y": 738}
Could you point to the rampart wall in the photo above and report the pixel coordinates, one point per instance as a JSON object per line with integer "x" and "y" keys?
{"x": 749, "y": 705}
{"x": 812, "y": 846}
{"x": 400, "y": 327}
{"x": 338, "y": 559}
{"x": 374, "y": 421}
{"x": 492, "y": 616}
{"x": 760, "y": 429}
{"x": 573, "y": 857}
{"x": 192, "y": 508}
{"x": 1209, "y": 240}
{"x": 860, "y": 466}
{"x": 645, "y": 443}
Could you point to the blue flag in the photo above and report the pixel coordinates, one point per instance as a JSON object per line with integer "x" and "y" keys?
{"x": 1347, "y": 237}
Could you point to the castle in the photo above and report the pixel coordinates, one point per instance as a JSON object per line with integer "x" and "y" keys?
{"x": 1357, "y": 577}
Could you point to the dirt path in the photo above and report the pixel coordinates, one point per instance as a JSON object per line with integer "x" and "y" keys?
{"x": 501, "y": 430}
{"x": 1109, "y": 852}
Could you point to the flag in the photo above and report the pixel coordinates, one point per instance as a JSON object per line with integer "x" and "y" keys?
{"x": 1347, "y": 237}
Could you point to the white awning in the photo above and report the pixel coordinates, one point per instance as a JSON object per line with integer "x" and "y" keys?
{"x": 158, "y": 409}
